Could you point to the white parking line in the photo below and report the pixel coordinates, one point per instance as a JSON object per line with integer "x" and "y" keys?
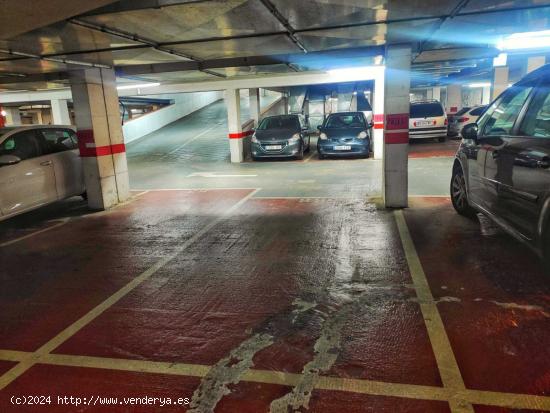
{"x": 41, "y": 231}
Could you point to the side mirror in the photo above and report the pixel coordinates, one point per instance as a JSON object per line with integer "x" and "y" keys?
{"x": 6, "y": 160}
{"x": 470, "y": 131}
{"x": 320, "y": 127}
{"x": 371, "y": 124}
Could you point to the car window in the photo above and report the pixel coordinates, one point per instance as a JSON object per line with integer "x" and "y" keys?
{"x": 280, "y": 122}
{"x": 536, "y": 122}
{"x": 504, "y": 112}
{"x": 478, "y": 111}
{"x": 24, "y": 145}
{"x": 57, "y": 140}
{"x": 426, "y": 110}
{"x": 347, "y": 120}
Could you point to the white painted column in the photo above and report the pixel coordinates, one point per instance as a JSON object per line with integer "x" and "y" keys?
{"x": 429, "y": 94}
{"x": 500, "y": 81}
{"x": 486, "y": 95}
{"x": 60, "y": 112}
{"x": 396, "y": 126}
{"x": 534, "y": 62}
{"x": 254, "y": 104}
{"x": 100, "y": 138}
{"x": 454, "y": 98}
{"x": 436, "y": 93}
{"x": 13, "y": 116}
{"x": 378, "y": 109}
{"x": 236, "y": 134}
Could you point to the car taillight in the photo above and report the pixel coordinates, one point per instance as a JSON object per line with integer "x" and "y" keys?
{"x": 462, "y": 120}
{"x": 446, "y": 122}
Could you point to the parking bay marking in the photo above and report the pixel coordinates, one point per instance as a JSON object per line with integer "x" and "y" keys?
{"x": 361, "y": 386}
{"x": 63, "y": 221}
{"x": 33, "y": 358}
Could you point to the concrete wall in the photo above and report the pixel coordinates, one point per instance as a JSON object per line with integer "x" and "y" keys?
{"x": 184, "y": 104}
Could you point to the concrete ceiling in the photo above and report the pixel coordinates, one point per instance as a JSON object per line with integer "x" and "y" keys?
{"x": 175, "y": 41}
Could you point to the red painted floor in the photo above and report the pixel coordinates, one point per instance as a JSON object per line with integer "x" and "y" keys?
{"x": 303, "y": 272}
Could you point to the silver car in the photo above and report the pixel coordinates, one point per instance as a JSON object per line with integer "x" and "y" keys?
{"x": 38, "y": 165}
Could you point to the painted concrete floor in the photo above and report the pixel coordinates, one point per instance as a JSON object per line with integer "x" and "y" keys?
{"x": 294, "y": 294}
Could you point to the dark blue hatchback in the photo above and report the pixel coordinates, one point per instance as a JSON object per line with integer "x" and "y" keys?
{"x": 344, "y": 134}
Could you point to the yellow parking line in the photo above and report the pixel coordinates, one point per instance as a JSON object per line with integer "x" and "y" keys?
{"x": 443, "y": 352}
{"x": 71, "y": 330}
{"x": 369, "y": 387}
{"x": 41, "y": 231}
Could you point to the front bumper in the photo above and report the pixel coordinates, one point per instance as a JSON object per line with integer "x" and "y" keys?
{"x": 327, "y": 148}
{"x": 289, "y": 149}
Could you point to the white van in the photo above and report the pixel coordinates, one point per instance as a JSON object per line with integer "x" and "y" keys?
{"x": 427, "y": 120}
{"x": 38, "y": 165}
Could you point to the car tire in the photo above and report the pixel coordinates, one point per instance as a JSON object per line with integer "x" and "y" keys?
{"x": 321, "y": 156}
{"x": 300, "y": 155}
{"x": 459, "y": 194}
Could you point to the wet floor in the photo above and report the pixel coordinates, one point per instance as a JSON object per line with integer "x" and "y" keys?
{"x": 295, "y": 293}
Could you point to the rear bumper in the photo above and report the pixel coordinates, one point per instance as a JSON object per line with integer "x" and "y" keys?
{"x": 428, "y": 133}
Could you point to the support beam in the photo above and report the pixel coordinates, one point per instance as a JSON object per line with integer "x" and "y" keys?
{"x": 500, "y": 81}
{"x": 60, "y": 112}
{"x": 396, "y": 126}
{"x": 454, "y": 98}
{"x": 236, "y": 134}
{"x": 100, "y": 137}
{"x": 254, "y": 104}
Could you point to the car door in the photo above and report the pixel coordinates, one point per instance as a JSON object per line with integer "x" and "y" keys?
{"x": 521, "y": 197}
{"x": 29, "y": 183}
{"x": 61, "y": 147}
{"x": 496, "y": 130}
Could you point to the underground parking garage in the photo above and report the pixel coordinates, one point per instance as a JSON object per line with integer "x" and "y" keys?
{"x": 275, "y": 206}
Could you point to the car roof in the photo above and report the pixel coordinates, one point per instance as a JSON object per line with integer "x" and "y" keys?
{"x": 346, "y": 113}
{"x": 425, "y": 102}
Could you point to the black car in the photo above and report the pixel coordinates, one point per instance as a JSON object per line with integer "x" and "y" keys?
{"x": 281, "y": 136}
{"x": 502, "y": 168}
{"x": 344, "y": 134}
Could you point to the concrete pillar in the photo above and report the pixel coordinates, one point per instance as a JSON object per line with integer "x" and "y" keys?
{"x": 236, "y": 135}
{"x": 534, "y": 62}
{"x": 396, "y": 126}
{"x": 254, "y": 104}
{"x": 378, "y": 111}
{"x": 454, "y": 98}
{"x": 436, "y": 93}
{"x": 486, "y": 95}
{"x": 60, "y": 112}
{"x": 100, "y": 138}
{"x": 13, "y": 116}
{"x": 429, "y": 94}
{"x": 500, "y": 81}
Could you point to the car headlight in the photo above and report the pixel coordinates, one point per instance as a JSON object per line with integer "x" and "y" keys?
{"x": 362, "y": 135}
{"x": 323, "y": 136}
{"x": 295, "y": 138}
{"x": 254, "y": 139}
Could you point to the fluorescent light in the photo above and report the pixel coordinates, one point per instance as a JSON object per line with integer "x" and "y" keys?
{"x": 138, "y": 86}
{"x": 527, "y": 40}
{"x": 480, "y": 84}
{"x": 356, "y": 73}
{"x": 500, "y": 60}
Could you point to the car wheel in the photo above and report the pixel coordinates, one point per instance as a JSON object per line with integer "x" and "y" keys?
{"x": 441, "y": 139}
{"x": 321, "y": 156}
{"x": 300, "y": 155}
{"x": 459, "y": 194}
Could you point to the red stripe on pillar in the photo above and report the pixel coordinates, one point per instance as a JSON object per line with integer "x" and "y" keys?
{"x": 240, "y": 135}
{"x": 379, "y": 125}
{"x": 393, "y": 138}
{"x": 87, "y": 147}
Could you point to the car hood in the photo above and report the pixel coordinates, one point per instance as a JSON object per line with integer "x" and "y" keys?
{"x": 343, "y": 132}
{"x": 275, "y": 134}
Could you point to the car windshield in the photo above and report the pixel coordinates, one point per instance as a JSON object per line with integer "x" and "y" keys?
{"x": 426, "y": 110}
{"x": 345, "y": 120}
{"x": 279, "y": 122}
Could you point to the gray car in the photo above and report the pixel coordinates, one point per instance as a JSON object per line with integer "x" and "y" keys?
{"x": 281, "y": 136}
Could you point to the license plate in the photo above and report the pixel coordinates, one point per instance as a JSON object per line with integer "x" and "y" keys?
{"x": 273, "y": 147}
{"x": 424, "y": 123}
{"x": 342, "y": 148}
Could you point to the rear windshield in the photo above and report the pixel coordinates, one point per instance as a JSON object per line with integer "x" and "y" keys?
{"x": 279, "y": 122}
{"x": 462, "y": 111}
{"x": 426, "y": 110}
{"x": 345, "y": 120}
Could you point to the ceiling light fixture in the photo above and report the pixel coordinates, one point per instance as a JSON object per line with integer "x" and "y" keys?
{"x": 138, "y": 86}
{"x": 526, "y": 40}
{"x": 356, "y": 73}
{"x": 480, "y": 84}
